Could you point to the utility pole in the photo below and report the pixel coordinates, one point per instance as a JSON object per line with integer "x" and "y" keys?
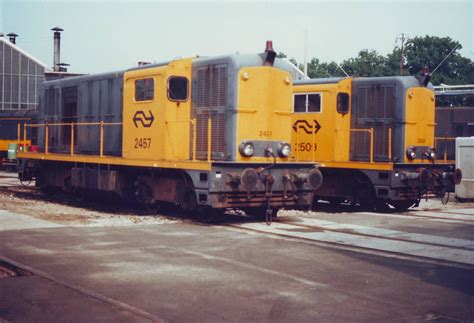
{"x": 403, "y": 39}
{"x": 305, "y": 68}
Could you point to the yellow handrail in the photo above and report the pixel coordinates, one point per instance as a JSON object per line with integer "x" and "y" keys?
{"x": 72, "y": 125}
{"x": 209, "y": 140}
{"x": 446, "y": 138}
{"x": 371, "y": 133}
{"x": 193, "y": 121}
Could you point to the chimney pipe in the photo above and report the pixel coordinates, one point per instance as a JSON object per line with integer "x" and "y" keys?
{"x": 57, "y": 48}
{"x": 12, "y": 37}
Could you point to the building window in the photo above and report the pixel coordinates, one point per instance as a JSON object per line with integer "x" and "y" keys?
{"x": 144, "y": 89}
{"x": 20, "y": 79}
{"x": 307, "y": 102}
{"x": 177, "y": 88}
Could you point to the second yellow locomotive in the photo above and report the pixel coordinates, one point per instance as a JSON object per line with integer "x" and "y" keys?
{"x": 374, "y": 138}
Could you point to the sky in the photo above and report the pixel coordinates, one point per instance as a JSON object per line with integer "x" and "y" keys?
{"x": 101, "y": 36}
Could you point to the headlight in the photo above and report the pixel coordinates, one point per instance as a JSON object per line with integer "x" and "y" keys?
{"x": 246, "y": 149}
{"x": 431, "y": 153}
{"x": 284, "y": 149}
{"x": 411, "y": 153}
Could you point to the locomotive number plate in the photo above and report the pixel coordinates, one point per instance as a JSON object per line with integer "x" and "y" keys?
{"x": 265, "y": 133}
{"x": 306, "y": 146}
{"x": 142, "y": 143}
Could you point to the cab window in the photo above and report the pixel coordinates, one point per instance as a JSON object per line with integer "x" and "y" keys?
{"x": 144, "y": 89}
{"x": 307, "y": 102}
{"x": 343, "y": 103}
{"x": 177, "y": 88}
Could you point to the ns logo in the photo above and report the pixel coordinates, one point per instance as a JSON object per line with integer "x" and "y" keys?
{"x": 146, "y": 120}
{"x": 306, "y": 126}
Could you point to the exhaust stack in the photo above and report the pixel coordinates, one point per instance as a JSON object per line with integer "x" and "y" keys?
{"x": 12, "y": 38}
{"x": 270, "y": 54}
{"x": 57, "y": 49}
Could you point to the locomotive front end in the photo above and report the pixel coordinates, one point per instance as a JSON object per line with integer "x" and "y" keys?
{"x": 250, "y": 141}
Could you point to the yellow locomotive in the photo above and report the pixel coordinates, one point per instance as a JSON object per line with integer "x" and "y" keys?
{"x": 374, "y": 139}
{"x": 207, "y": 133}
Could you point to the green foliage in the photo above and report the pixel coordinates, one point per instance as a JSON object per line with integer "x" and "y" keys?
{"x": 418, "y": 52}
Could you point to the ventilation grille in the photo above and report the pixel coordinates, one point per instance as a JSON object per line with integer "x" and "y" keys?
{"x": 209, "y": 101}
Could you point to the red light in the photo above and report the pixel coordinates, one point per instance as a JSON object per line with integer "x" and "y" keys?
{"x": 269, "y": 46}
{"x": 426, "y": 70}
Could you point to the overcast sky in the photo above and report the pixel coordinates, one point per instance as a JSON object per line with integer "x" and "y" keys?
{"x": 102, "y": 36}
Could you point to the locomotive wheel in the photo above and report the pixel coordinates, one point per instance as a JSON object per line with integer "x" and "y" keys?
{"x": 403, "y": 205}
{"x": 207, "y": 214}
{"x": 365, "y": 196}
{"x": 260, "y": 213}
{"x": 382, "y": 206}
{"x": 190, "y": 202}
{"x": 145, "y": 199}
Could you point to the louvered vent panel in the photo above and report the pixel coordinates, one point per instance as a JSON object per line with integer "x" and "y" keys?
{"x": 209, "y": 100}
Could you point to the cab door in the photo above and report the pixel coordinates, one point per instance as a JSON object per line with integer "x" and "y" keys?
{"x": 144, "y": 101}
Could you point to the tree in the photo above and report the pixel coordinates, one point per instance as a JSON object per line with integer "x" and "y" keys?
{"x": 367, "y": 63}
{"x": 430, "y": 51}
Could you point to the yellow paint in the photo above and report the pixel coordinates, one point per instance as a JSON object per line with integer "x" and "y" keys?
{"x": 110, "y": 160}
{"x": 420, "y": 113}
{"x": 4, "y": 143}
{"x": 168, "y": 136}
{"x": 332, "y": 139}
{"x": 264, "y": 107}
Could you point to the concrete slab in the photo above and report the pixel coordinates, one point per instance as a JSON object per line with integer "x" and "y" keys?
{"x": 189, "y": 272}
{"x": 386, "y": 233}
{"x": 402, "y": 247}
{"x": 15, "y": 221}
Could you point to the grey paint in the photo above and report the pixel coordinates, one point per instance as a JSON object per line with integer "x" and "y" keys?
{"x": 99, "y": 99}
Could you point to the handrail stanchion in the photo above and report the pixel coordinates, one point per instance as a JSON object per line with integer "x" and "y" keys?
{"x": 46, "y": 137}
{"x": 72, "y": 138}
{"x": 193, "y": 122}
{"x": 24, "y": 134}
{"x": 102, "y": 139}
{"x": 371, "y": 131}
{"x": 296, "y": 143}
{"x": 313, "y": 149}
{"x": 445, "y": 147}
{"x": 389, "y": 144}
{"x": 209, "y": 133}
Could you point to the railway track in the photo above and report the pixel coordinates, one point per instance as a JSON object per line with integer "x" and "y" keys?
{"x": 384, "y": 242}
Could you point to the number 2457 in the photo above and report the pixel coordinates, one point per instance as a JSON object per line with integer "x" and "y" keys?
{"x": 142, "y": 143}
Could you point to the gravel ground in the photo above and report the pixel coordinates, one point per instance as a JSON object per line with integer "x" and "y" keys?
{"x": 76, "y": 212}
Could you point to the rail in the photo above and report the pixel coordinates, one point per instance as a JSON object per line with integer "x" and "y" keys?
{"x": 446, "y": 139}
{"x": 72, "y": 125}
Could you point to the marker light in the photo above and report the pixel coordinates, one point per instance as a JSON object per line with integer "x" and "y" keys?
{"x": 411, "y": 153}
{"x": 284, "y": 149}
{"x": 246, "y": 149}
{"x": 431, "y": 153}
